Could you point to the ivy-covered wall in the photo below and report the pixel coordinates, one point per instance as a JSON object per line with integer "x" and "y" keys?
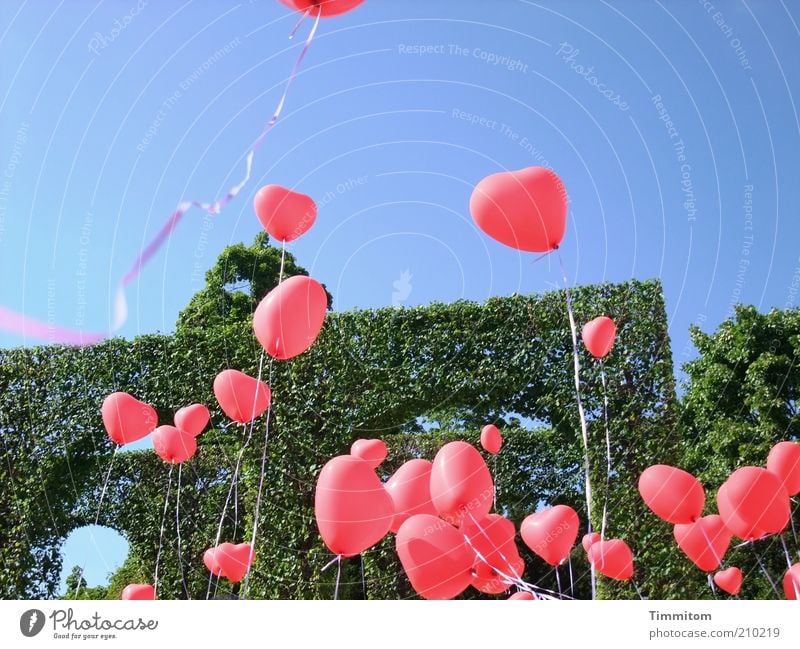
{"x": 414, "y": 377}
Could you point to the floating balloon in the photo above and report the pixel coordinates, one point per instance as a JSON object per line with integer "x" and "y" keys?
{"x": 729, "y": 580}
{"x": 410, "y": 490}
{"x": 613, "y": 559}
{"x": 240, "y": 396}
{"x": 461, "y": 484}
{"x": 209, "y": 558}
{"x": 173, "y": 445}
{"x": 434, "y": 556}
{"x": 791, "y": 582}
{"x": 525, "y": 209}
{"x": 289, "y": 319}
{"x": 598, "y": 335}
{"x": 126, "y": 418}
{"x": 353, "y": 509}
{"x": 492, "y": 537}
{"x": 491, "y": 439}
{"x": 522, "y": 594}
{"x": 672, "y": 494}
{"x": 285, "y": 214}
{"x": 372, "y": 451}
{"x": 324, "y": 8}
{"x": 588, "y": 539}
{"x": 551, "y": 533}
{"x": 192, "y": 419}
{"x": 784, "y": 462}
{"x": 753, "y": 502}
{"x": 138, "y": 591}
{"x": 705, "y": 541}
{"x": 233, "y": 561}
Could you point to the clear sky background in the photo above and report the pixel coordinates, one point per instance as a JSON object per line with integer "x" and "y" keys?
{"x": 104, "y": 130}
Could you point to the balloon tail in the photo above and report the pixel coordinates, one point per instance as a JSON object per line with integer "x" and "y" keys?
{"x": 264, "y": 451}
{"x": 163, "y": 525}
{"x": 584, "y": 429}
{"x": 99, "y": 508}
{"x": 178, "y": 532}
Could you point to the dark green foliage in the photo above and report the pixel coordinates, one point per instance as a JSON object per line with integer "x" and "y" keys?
{"x": 415, "y": 377}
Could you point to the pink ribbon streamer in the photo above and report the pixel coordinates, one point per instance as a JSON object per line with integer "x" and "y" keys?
{"x": 30, "y": 327}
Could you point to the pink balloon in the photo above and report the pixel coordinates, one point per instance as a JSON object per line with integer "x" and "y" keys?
{"x": 435, "y": 557}
{"x": 784, "y": 462}
{"x": 285, "y": 214}
{"x": 522, "y": 594}
{"x": 613, "y": 559}
{"x": 598, "y": 335}
{"x": 209, "y": 558}
{"x": 126, "y": 418}
{"x": 493, "y": 537}
{"x": 461, "y": 485}
{"x": 525, "y": 209}
{"x": 173, "y": 445}
{"x": 589, "y": 539}
{"x": 372, "y": 451}
{"x": 753, "y": 502}
{"x": 551, "y": 533}
{"x": 138, "y": 591}
{"x": 289, "y": 319}
{"x": 491, "y": 439}
{"x": 240, "y": 396}
{"x": 410, "y": 490}
{"x": 325, "y": 8}
{"x": 729, "y": 580}
{"x": 192, "y": 419}
{"x": 233, "y": 561}
{"x": 705, "y": 541}
{"x": 791, "y": 582}
{"x": 672, "y": 494}
{"x": 353, "y": 509}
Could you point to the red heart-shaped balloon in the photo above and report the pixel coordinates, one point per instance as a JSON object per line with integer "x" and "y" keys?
{"x": 613, "y": 559}
{"x": 288, "y": 320}
{"x": 285, "y": 214}
{"x": 240, "y": 396}
{"x": 522, "y": 594}
{"x": 729, "y": 580}
{"x": 705, "y": 541}
{"x": 753, "y": 502}
{"x": 410, "y": 489}
{"x": 233, "y": 560}
{"x": 791, "y": 582}
{"x": 551, "y": 532}
{"x": 598, "y": 335}
{"x": 324, "y": 8}
{"x": 672, "y": 493}
{"x": 784, "y": 462}
{"x": 352, "y": 507}
{"x": 492, "y": 537}
{"x": 192, "y": 419}
{"x": 126, "y": 418}
{"x": 372, "y": 451}
{"x": 173, "y": 445}
{"x": 461, "y": 484}
{"x": 525, "y": 209}
{"x": 209, "y": 558}
{"x": 138, "y": 591}
{"x": 491, "y": 439}
{"x": 435, "y": 557}
{"x": 588, "y": 539}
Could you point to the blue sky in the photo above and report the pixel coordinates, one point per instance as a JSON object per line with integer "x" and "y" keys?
{"x": 400, "y": 109}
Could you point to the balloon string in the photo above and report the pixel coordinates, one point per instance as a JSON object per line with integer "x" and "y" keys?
{"x": 178, "y": 531}
{"x": 338, "y": 576}
{"x": 264, "y": 451}
{"x": 99, "y": 508}
{"x": 558, "y": 581}
{"x": 766, "y": 574}
{"x": 163, "y": 525}
{"x": 638, "y": 592}
{"x": 608, "y": 450}
{"x": 789, "y": 565}
{"x": 584, "y": 430}
{"x": 330, "y": 563}
{"x": 363, "y": 578}
{"x": 571, "y": 580}
{"x": 711, "y": 585}
{"x": 25, "y": 326}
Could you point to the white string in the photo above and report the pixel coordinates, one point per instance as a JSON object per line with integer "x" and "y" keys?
{"x": 766, "y": 574}
{"x": 584, "y": 429}
{"x": 608, "y": 450}
{"x": 178, "y": 531}
{"x": 163, "y": 524}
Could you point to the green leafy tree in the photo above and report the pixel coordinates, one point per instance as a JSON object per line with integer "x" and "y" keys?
{"x": 78, "y": 589}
